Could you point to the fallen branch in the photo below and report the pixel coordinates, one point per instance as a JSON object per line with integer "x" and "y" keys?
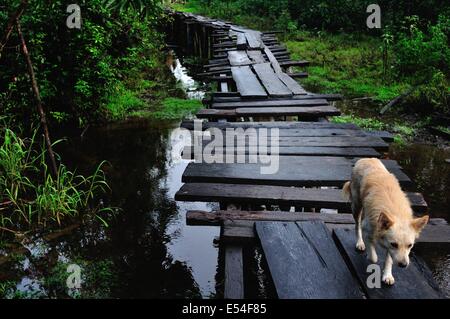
{"x": 397, "y": 100}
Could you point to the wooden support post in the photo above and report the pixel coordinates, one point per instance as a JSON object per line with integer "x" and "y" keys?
{"x": 234, "y": 273}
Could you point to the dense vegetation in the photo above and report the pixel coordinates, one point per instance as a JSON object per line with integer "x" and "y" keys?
{"x": 410, "y": 51}
{"x": 111, "y": 68}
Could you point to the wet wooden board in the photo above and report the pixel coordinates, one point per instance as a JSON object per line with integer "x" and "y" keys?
{"x": 294, "y": 151}
{"x": 253, "y": 40}
{"x": 277, "y": 195}
{"x": 247, "y": 83}
{"x": 270, "y": 103}
{"x": 309, "y": 96}
{"x": 241, "y": 41}
{"x": 189, "y": 124}
{"x": 238, "y": 58}
{"x": 296, "y": 88}
{"x": 299, "y": 75}
{"x": 305, "y": 112}
{"x": 256, "y": 56}
{"x": 304, "y": 262}
{"x": 292, "y": 171}
{"x": 251, "y": 139}
{"x": 234, "y": 273}
{"x": 270, "y": 80}
{"x": 414, "y": 282}
{"x": 298, "y": 132}
{"x": 437, "y": 232}
{"x": 273, "y": 60}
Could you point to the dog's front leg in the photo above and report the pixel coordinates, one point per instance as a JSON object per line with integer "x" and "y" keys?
{"x": 387, "y": 271}
{"x": 372, "y": 252}
{"x": 359, "y": 236}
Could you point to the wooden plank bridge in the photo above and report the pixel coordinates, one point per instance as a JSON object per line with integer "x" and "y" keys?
{"x": 297, "y": 214}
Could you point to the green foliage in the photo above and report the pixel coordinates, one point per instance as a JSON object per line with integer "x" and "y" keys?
{"x": 76, "y": 69}
{"x": 31, "y": 197}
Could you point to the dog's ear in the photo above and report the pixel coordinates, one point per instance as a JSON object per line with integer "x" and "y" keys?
{"x": 419, "y": 223}
{"x": 384, "y": 221}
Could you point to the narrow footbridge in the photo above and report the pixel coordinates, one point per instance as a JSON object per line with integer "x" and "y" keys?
{"x": 296, "y": 215}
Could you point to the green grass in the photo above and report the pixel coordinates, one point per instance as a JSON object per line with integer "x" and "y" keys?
{"x": 171, "y": 108}
{"x": 344, "y": 63}
{"x": 403, "y": 133}
{"x": 123, "y": 101}
{"x": 31, "y": 197}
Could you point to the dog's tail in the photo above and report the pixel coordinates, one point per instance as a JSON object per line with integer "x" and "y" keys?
{"x": 346, "y": 191}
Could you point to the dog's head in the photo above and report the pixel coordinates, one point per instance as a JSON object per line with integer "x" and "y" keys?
{"x": 398, "y": 236}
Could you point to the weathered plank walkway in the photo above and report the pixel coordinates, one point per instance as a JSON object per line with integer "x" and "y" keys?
{"x": 308, "y": 254}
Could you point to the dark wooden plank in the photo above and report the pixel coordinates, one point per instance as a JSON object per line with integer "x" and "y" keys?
{"x": 247, "y": 83}
{"x": 299, "y": 75}
{"x": 295, "y": 151}
{"x": 270, "y": 103}
{"x": 305, "y": 112}
{"x": 410, "y": 283}
{"x": 437, "y": 232}
{"x": 256, "y": 56}
{"x": 296, "y": 88}
{"x": 277, "y": 195}
{"x": 305, "y": 132}
{"x": 304, "y": 262}
{"x": 328, "y": 97}
{"x": 238, "y": 58}
{"x": 189, "y": 124}
{"x": 292, "y": 171}
{"x": 270, "y": 80}
{"x": 234, "y": 273}
{"x": 294, "y": 63}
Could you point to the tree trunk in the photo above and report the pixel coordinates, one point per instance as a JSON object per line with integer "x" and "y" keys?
{"x": 38, "y": 100}
{"x": 11, "y": 22}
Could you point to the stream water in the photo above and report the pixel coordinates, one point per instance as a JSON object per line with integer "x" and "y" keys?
{"x": 148, "y": 251}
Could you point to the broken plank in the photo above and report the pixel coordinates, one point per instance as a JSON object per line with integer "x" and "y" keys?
{"x": 304, "y": 262}
{"x": 247, "y": 83}
{"x": 253, "y": 40}
{"x": 270, "y": 80}
{"x": 412, "y": 282}
{"x": 241, "y": 41}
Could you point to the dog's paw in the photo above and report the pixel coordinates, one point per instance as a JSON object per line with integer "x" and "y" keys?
{"x": 388, "y": 279}
{"x": 360, "y": 246}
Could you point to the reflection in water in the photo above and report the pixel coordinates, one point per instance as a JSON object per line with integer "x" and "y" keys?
{"x": 152, "y": 253}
